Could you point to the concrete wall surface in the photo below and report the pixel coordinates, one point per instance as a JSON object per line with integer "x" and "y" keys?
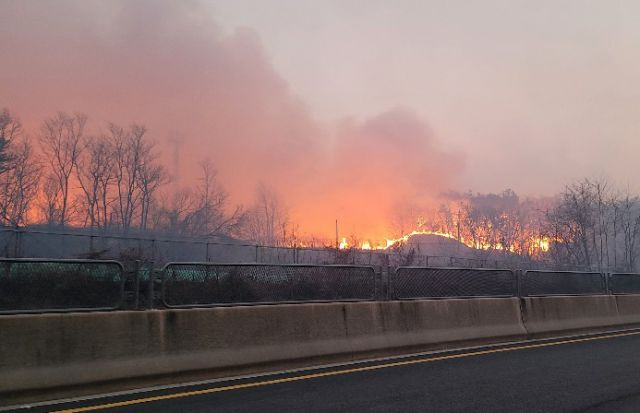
{"x": 565, "y": 313}
{"x": 628, "y": 308}
{"x": 61, "y": 350}
{"x": 46, "y": 356}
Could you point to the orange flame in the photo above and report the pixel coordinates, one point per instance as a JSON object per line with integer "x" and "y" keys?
{"x": 535, "y": 244}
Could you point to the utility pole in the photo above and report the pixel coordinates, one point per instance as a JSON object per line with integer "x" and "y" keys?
{"x": 458, "y": 230}
{"x": 337, "y": 243}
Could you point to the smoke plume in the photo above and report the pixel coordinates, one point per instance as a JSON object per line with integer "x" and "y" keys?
{"x": 206, "y": 93}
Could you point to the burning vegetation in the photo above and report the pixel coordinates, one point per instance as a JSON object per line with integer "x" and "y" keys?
{"x": 116, "y": 182}
{"x": 485, "y": 222}
{"x": 590, "y": 225}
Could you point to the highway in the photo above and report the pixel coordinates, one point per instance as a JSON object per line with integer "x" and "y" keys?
{"x": 588, "y": 374}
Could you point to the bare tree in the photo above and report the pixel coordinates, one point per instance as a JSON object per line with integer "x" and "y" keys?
{"x": 61, "y": 145}
{"x": 126, "y": 157}
{"x": 10, "y": 128}
{"x": 176, "y": 213}
{"x": 200, "y": 212}
{"x": 478, "y": 217}
{"x": 96, "y": 173}
{"x": 498, "y": 224}
{"x": 136, "y": 176}
{"x": 19, "y": 184}
{"x": 268, "y": 220}
{"x": 600, "y": 189}
{"x": 210, "y": 216}
{"x": 49, "y": 203}
{"x": 630, "y": 227}
{"x": 586, "y": 224}
{"x": 150, "y": 179}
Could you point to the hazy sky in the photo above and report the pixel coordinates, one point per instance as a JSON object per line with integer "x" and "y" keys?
{"x": 346, "y": 107}
{"x": 535, "y": 92}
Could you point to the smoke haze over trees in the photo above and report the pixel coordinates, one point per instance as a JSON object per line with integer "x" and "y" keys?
{"x": 113, "y": 179}
{"x": 209, "y": 94}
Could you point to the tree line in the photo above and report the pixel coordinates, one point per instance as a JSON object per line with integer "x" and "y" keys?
{"x": 115, "y": 180}
{"x": 595, "y": 225}
{"x": 589, "y": 225}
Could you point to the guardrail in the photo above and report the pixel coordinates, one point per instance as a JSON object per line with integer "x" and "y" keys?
{"x": 37, "y": 285}
{"x": 43, "y": 285}
{"x": 207, "y": 284}
{"x": 436, "y": 282}
{"x": 550, "y": 283}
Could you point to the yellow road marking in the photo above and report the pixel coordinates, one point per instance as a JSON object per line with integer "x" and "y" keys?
{"x": 334, "y": 373}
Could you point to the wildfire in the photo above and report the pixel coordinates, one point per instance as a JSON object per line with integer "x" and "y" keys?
{"x": 389, "y": 242}
{"x": 543, "y": 244}
{"x": 533, "y": 245}
{"x": 405, "y": 238}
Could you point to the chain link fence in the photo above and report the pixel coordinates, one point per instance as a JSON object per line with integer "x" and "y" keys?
{"x": 185, "y": 284}
{"x": 47, "y": 243}
{"x": 69, "y": 285}
{"x": 624, "y": 283}
{"x": 37, "y": 285}
{"x": 421, "y": 282}
{"x": 543, "y": 283}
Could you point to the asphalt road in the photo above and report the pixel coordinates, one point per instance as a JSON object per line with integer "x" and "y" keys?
{"x": 596, "y": 374}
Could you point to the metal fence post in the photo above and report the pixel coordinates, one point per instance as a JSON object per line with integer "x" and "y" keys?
{"x": 151, "y": 287}
{"x": 16, "y": 245}
{"x": 153, "y": 249}
{"x": 392, "y": 277}
{"x": 377, "y": 279}
{"x": 386, "y": 269}
{"x": 136, "y": 283}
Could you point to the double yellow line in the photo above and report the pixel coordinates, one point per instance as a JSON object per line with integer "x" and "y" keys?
{"x": 337, "y": 373}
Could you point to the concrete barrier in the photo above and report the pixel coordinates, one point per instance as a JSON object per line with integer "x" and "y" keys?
{"x": 56, "y": 355}
{"x": 628, "y": 308}
{"x": 565, "y": 313}
{"x": 401, "y": 324}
